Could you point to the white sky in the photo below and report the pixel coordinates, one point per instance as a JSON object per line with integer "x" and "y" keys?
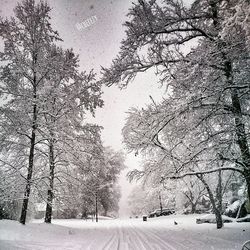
{"x": 98, "y": 45}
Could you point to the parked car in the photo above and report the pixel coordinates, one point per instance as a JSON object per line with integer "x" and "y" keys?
{"x": 167, "y": 211}
{"x": 164, "y": 212}
{"x": 155, "y": 213}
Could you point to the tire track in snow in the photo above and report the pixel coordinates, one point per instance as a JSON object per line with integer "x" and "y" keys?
{"x": 191, "y": 242}
{"x": 156, "y": 233}
{"x": 103, "y": 242}
{"x": 195, "y": 240}
{"x": 138, "y": 242}
{"x": 127, "y": 239}
{"x": 110, "y": 242}
{"x": 162, "y": 243}
{"x": 147, "y": 236}
{"x": 122, "y": 242}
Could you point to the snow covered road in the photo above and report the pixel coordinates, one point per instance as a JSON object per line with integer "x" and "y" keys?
{"x": 131, "y": 234}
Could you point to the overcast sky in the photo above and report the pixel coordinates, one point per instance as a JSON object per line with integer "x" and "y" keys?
{"x": 98, "y": 45}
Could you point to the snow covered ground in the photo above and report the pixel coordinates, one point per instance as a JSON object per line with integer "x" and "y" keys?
{"x": 156, "y": 233}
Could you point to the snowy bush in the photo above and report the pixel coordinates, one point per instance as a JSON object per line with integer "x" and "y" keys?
{"x": 232, "y": 209}
{"x": 210, "y": 218}
{"x": 237, "y": 209}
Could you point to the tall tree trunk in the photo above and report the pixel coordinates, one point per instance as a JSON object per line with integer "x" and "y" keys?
{"x": 217, "y": 212}
{"x": 96, "y": 207}
{"x": 193, "y": 207}
{"x": 48, "y": 213}
{"x": 239, "y": 126}
{"x": 248, "y": 186}
{"x": 31, "y": 160}
{"x": 219, "y": 191}
{"x": 161, "y": 208}
{"x": 218, "y": 216}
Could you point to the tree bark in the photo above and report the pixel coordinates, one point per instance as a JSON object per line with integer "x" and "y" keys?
{"x": 239, "y": 126}
{"x": 218, "y": 216}
{"x": 160, "y": 202}
{"x": 219, "y": 191}
{"x": 193, "y": 207}
{"x": 217, "y": 212}
{"x": 31, "y": 160}
{"x": 248, "y": 186}
{"x": 96, "y": 207}
{"x": 50, "y": 196}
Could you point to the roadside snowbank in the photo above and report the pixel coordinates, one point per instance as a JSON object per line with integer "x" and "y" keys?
{"x": 156, "y": 233}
